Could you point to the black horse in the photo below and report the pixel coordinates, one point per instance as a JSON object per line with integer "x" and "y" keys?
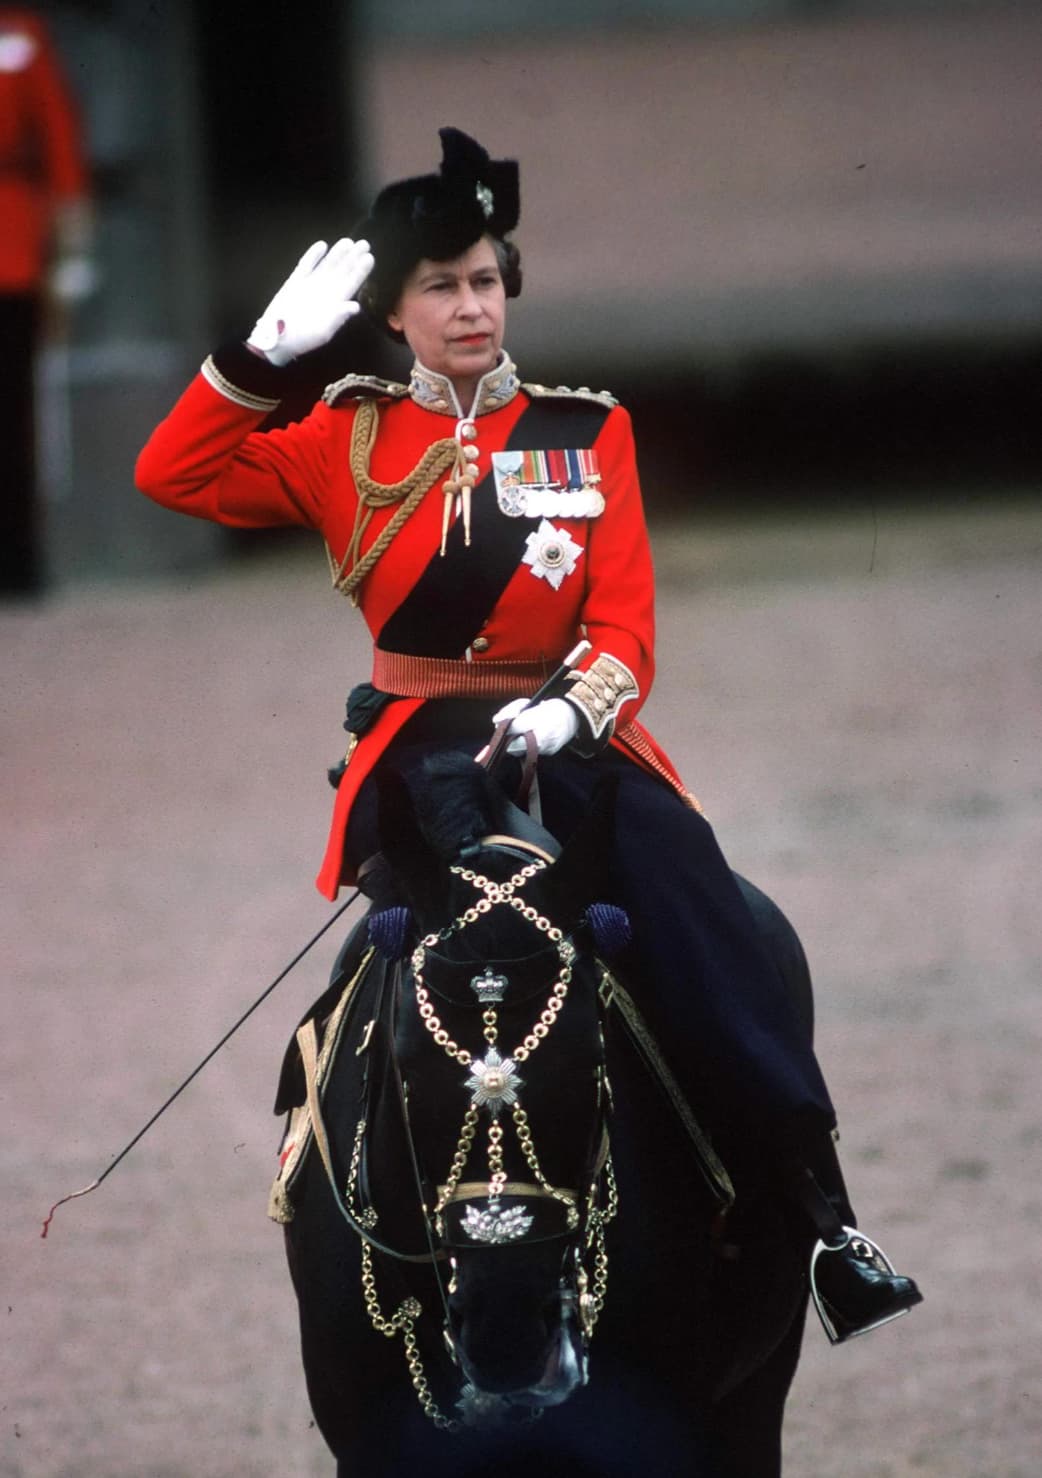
{"x": 518, "y": 1245}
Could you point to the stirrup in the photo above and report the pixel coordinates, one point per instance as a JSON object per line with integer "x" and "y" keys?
{"x": 832, "y": 1319}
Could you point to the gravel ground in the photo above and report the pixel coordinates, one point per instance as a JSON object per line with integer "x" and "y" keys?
{"x": 856, "y": 700}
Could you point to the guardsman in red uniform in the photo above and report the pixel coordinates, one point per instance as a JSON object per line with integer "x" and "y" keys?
{"x": 484, "y": 526}
{"x": 44, "y": 238}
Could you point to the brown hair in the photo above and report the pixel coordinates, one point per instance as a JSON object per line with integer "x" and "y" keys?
{"x": 380, "y": 294}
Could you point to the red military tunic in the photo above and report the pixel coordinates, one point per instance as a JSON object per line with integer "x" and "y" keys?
{"x": 207, "y": 459}
{"x": 41, "y": 157}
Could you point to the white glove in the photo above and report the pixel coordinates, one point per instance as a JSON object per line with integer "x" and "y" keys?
{"x": 317, "y": 298}
{"x": 553, "y": 722}
{"x": 73, "y": 279}
{"x": 74, "y": 274}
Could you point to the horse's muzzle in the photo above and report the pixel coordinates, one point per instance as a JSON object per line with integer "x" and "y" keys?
{"x": 563, "y": 1371}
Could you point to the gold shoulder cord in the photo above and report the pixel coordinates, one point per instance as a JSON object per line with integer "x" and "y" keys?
{"x": 438, "y": 458}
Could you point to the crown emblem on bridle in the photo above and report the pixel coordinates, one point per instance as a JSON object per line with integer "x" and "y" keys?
{"x": 489, "y": 987}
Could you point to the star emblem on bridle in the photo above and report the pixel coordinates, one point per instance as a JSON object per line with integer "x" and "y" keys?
{"x": 493, "y": 1082}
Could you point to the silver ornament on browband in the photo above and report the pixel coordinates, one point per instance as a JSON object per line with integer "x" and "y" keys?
{"x": 494, "y": 1226}
{"x": 489, "y": 987}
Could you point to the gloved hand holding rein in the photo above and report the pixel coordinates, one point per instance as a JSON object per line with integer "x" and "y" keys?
{"x": 553, "y": 723}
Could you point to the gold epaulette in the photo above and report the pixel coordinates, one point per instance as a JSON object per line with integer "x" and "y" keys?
{"x": 544, "y": 392}
{"x": 360, "y": 385}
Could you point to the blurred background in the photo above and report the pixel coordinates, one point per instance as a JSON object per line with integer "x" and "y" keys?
{"x": 802, "y": 239}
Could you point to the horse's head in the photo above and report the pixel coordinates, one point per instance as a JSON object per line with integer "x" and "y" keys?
{"x": 502, "y": 1066}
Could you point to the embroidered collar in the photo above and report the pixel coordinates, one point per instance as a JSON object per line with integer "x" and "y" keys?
{"x": 437, "y": 393}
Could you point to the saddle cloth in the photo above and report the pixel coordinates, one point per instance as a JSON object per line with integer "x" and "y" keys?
{"x": 300, "y": 1130}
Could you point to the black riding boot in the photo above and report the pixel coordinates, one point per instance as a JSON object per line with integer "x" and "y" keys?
{"x": 854, "y": 1285}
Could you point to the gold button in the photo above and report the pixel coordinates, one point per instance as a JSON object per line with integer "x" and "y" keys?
{"x": 480, "y": 644}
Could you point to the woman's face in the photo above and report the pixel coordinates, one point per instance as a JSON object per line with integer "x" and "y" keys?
{"x": 452, "y": 314}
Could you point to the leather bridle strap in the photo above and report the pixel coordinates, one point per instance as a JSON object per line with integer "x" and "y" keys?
{"x": 518, "y": 844}
{"x": 713, "y": 1170}
{"x": 528, "y": 790}
{"x": 476, "y": 1190}
{"x": 307, "y": 1042}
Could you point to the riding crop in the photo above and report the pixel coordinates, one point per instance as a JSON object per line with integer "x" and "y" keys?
{"x": 74, "y": 1195}
{"x": 488, "y": 756}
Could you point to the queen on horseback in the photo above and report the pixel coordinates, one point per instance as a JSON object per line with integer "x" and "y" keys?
{"x": 486, "y": 526}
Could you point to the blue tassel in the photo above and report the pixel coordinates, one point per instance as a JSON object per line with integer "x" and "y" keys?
{"x": 389, "y": 931}
{"x": 610, "y": 927}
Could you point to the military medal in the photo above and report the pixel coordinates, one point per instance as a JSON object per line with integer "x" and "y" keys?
{"x": 551, "y": 553}
{"x": 545, "y": 484}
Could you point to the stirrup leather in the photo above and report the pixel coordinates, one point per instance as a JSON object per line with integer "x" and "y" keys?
{"x": 881, "y": 1263}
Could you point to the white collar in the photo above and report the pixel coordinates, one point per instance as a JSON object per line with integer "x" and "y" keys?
{"x": 437, "y": 393}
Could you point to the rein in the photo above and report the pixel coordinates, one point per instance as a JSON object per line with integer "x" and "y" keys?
{"x": 712, "y": 1168}
{"x": 307, "y": 1042}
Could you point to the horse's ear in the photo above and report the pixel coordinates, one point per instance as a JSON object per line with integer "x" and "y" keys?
{"x": 582, "y": 872}
{"x": 413, "y": 861}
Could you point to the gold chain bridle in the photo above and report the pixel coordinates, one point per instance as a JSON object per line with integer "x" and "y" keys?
{"x": 494, "y": 1083}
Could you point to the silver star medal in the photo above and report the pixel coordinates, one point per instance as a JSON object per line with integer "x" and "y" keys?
{"x": 493, "y": 1083}
{"x": 552, "y": 553}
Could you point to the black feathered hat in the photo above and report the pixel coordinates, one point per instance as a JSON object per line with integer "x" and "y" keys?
{"x": 440, "y": 216}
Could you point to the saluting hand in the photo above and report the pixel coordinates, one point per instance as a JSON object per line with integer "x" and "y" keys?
{"x": 317, "y": 298}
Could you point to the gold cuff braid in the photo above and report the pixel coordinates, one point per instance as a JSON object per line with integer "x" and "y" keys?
{"x": 600, "y": 692}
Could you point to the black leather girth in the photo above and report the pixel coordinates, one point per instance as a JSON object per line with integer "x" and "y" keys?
{"x": 457, "y": 592}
